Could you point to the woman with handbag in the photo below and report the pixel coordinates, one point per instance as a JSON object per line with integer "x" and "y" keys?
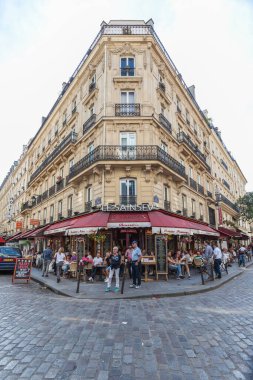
{"x": 59, "y": 260}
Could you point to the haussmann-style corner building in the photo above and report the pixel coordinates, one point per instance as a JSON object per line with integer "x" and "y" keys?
{"x": 125, "y": 153}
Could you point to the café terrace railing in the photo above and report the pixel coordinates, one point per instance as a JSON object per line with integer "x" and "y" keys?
{"x": 70, "y": 139}
{"x": 127, "y": 153}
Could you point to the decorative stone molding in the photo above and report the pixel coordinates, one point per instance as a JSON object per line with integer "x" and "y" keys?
{"x": 127, "y": 49}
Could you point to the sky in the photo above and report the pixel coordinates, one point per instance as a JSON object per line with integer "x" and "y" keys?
{"x": 42, "y": 42}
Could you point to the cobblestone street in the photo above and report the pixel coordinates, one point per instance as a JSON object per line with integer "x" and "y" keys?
{"x": 206, "y": 336}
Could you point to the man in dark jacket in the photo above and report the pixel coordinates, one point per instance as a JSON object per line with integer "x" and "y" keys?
{"x": 47, "y": 258}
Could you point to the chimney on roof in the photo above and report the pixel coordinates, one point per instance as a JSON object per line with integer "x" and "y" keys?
{"x": 43, "y": 119}
{"x": 192, "y": 90}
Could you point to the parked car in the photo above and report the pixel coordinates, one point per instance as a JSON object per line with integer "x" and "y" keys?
{"x": 8, "y": 256}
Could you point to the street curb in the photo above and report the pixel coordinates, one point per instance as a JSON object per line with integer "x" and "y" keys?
{"x": 163, "y": 295}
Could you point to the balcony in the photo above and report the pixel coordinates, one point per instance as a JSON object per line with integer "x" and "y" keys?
{"x": 224, "y": 164}
{"x": 193, "y": 184}
{"x": 183, "y": 138}
{"x": 225, "y": 183}
{"x": 44, "y": 195}
{"x": 209, "y": 194}
{"x": 89, "y": 123}
{"x": 60, "y": 185}
{"x": 127, "y": 153}
{"x": 127, "y": 109}
{"x": 201, "y": 189}
{"x": 222, "y": 198}
{"x": 162, "y": 86}
{"x": 88, "y": 206}
{"x": 39, "y": 199}
{"x": 70, "y": 139}
{"x": 51, "y": 191}
{"x": 128, "y": 200}
{"x": 127, "y": 71}
{"x": 166, "y": 205}
{"x": 70, "y": 212}
{"x": 92, "y": 87}
{"x": 165, "y": 123}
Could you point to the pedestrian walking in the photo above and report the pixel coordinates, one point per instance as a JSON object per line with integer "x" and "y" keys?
{"x": 217, "y": 254}
{"x": 115, "y": 262}
{"x": 47, "y": 258}
{"x": 136, "y": 266}
{"x": 242, "y": 251}
{"x": 208, "y": 256}
{"x": 59, "y": 260}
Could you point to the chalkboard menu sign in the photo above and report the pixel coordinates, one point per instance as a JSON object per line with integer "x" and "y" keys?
{"x": 161, "y": 256}
{"x": 22, "y": 271}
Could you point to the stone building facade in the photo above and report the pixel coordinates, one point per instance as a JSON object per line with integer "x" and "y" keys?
{"x": 125, "y": 130}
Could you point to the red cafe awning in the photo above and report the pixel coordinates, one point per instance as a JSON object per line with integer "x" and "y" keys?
{"x": 38, "y": 232}
{"x": 59, "y": 227}
{"x": 2, "y": 240}
{"x": 170, "y": 224}
{"x": 228, "y": 232}
{"x": 25, "y": 234}
{"x": 15, "y": 237}
{"x": 89, "y": 224}
{"x": 128, "y": 220}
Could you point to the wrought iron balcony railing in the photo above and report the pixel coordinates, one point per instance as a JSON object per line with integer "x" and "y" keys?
{"x": 166, "y": 205}
{"x": 165, "y": 123}
{"x": 127, "y": 153}
{"x": 70, "y": 139}
{"x": 201, "y": 189}
{"x": 193, "y": 184}
{"x": 225, "y": 183}
{"x": 51, "y": 190}
{"x": 127, "y": 109}
{"x": 162, "y": 86}
{"x": 224, "y": 164}
{"x": 92, "y": 86}
{"x": 128, "y": 200}
{"x": 183, "y": 138}
{"x": 44, "y": 195}
{"x": 89, "y": 123}
{"x": 222, "y": 198}
{"x": 209, "y": 194}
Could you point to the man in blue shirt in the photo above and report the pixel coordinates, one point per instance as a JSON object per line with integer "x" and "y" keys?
{"x": 47, "y": 258}
{"x": 136, "y": 265}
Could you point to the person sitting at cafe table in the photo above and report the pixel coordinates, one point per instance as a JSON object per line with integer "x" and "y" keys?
{"x": 73, "y": 256}
{"x": 66, "y": 264}
{"x": 186, "y": 260}
{"x": 174, "y": 266}
{"x": 97, "y": 261}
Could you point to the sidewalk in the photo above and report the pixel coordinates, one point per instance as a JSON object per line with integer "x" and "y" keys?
{"x": 172, "y": 288}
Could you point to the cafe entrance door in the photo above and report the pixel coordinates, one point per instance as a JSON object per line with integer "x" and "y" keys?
{"x": 125, "y": 237}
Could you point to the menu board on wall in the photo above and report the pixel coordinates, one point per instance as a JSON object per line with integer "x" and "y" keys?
{"x": 161, "y": 256}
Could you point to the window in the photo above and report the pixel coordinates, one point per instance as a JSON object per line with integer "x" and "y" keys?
{"x": 199, "y": 179}
{"x": 179, "y": 107}
{"x": 39, "y": 215}
{"x": 49, "y": 137}
{"x": 91, "y": 109}
{"x": 89, "y": 194}
{"x": 184, "y": 204}
{"x": 60, "y": 208}
{"x": 71, "y": 163}
{"x": 127, "y": 97}
{"x": 46, "y": 185}
{"x": 187, "y": 117}
{"x": 190, "y": 172}
{"x": 193, "y": 208}
{"x": 51, "y": 213}
{"x": 45, "y": 215}
{"x": 62, "y": 172}
{"x": 53, "y": 180}
{"x": 127, "y": 66}
{"x": 70, "y": 202}
{"x": 164, "y": 146}
{"x": 166, "y": 192}
{"x": 128, "y": 191}
{"x": 92, "y": 84}
{"x": 128, "y": 143}
{"x": 207, "y": 186}
{"x": 56, "y": 129}
{"x": 201, "y": 213}
{"x": 73, "y": 106}
{"x": 64, "y": 118}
